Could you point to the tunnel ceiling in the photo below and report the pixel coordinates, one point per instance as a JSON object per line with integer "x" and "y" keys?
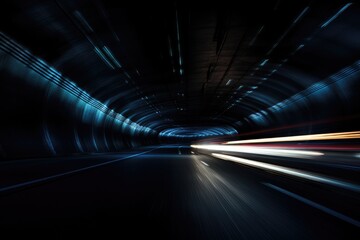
{"x": 173, "y": 66}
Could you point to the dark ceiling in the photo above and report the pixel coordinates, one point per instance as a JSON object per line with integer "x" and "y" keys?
{"x": 174, "y": 66}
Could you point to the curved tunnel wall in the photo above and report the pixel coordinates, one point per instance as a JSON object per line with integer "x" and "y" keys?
{"x": 326, "y": 99}
{"x": 45, "y": 114}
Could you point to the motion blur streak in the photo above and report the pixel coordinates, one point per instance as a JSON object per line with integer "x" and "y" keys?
{"x": 260, "y": 150}
{"x": 227, "y": 97}
{"x": 204, "y": 163}
{"x": 315, "y": 205}
{"x": 289, "y": 171}
{"x": 311, "y": 137}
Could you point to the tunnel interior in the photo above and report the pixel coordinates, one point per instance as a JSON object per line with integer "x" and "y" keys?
{"x": 88, "y": 78}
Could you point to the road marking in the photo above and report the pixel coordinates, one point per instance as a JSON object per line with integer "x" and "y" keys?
{"x": 204, "y": 163}
{"x": 315, "y": 205}
{"x": 44, "y": 179}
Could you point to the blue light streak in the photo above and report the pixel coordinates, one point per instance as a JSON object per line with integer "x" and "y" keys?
{"x": 83, "y": 21}
{"x": 111, "y": 55}
{"x": 301, "y": 15}
{"x": 102, "y": 56}
{"x": 197, "y": 132}
{"x": 297, "y": 19}
{"x": 178, "y": 39}
{"x": 256, "y": 35}
{"x": 44, "y": 74}
{"x": 336, "y": 15}
{"x": 264, "y": 62}
{"x": 341, "y": 76}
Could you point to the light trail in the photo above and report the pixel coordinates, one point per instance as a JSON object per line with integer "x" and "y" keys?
{"x": 311, "y": 137}
{"x": 260, "y": 150}
{"x": 289, "y": 171}
{"x": 204, "y": 163}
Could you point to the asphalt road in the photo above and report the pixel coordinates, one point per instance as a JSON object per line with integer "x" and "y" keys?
{"x": 168, "y": 193}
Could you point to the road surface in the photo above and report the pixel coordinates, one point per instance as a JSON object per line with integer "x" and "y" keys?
{"x": 168, "y": 193}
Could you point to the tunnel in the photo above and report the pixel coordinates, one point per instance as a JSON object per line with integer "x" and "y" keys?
{"x": 180, "y": 120}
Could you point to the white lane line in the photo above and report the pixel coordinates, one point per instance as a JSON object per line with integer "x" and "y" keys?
{"x": 44, "y": 179}
{"x": 316, "y": 205}
{"x": 290, "y": 171}
{"x": 204, "y": 163}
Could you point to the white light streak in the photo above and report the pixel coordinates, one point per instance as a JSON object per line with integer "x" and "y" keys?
{"x": 260, "y": 150}
{"x": 311, "y": 137}
{"x": 289, "y": 171}
{"x": 228, "y": 82}
{"x": 204, "y": 163}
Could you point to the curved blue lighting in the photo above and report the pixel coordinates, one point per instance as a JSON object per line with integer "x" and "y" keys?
{"x": 197, "y": 132}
